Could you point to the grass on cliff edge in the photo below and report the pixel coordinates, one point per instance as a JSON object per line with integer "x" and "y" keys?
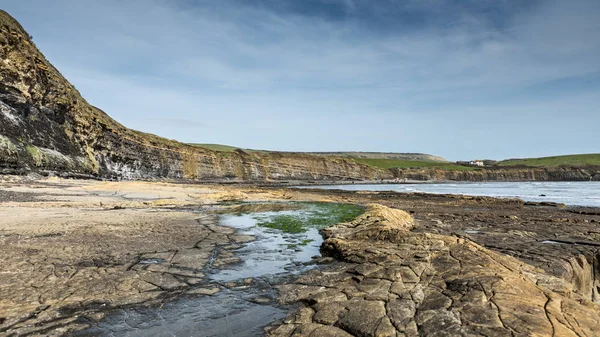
{"x": 568, "y": 160}
{"x": 216, "y": 147}
{"x": 394, "y": 163}
{"x": 316, "y": 215}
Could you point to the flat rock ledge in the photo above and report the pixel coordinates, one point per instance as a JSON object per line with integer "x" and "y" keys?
{"x": 393, "y": 282}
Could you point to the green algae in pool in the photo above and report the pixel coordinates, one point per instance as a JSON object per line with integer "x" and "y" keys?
{"x": 317, "y": 215}
{"x": 285, "y": 241}
{"x": 300, "y": 244}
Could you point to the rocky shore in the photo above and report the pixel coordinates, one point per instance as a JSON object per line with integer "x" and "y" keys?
{"x": 73, "y": 247}
{"x": 397, "y": 283}
{"x": 73, "y": 251}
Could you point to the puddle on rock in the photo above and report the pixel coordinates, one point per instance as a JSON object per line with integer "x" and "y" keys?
{"x": 272, "y": 252}
{"x": 286, "y": 238}
{"x": 226, "y": 314}
{"x": 472, "y": 231}
{"x": 151, "y": 261}
{"x": 550, "y": 242}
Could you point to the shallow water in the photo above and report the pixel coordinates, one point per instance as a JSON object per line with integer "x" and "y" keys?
{"x": 273, "y": 252}
{"x": 224, "y": 314}
{"x": 231, "y": 312}
{"x": 570, "y": 193}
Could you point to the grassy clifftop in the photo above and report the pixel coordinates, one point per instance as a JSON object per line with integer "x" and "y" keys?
{"x": 216, "y": 147}
{"x": 568, "y": 162}
{"x": 555, "y": 161}
{"x": 377, "y": 157}
{"x": 422, "y": 157}
{"x": 407, "y": 164}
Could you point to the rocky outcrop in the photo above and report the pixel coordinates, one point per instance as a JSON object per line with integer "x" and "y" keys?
{"x": 586, "y": 173}
{"x": 46, "y": 126}
{"x": 584, "y": 275}
{"x": 562, "y": 241}
{"x": 394, "y": 282}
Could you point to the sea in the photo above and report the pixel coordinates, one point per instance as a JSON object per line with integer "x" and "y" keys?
{"x": 569, "y": 193}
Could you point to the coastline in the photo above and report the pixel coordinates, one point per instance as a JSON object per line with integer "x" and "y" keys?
{"x": 73, "y": 213}
{"x": 572, "y": 194}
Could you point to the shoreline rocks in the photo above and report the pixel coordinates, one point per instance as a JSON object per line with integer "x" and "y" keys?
{"x": 466, "y": 255}
{"x": 393, "y": 282}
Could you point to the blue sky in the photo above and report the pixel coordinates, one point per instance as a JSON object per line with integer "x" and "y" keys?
{"x": 462, "y": 79}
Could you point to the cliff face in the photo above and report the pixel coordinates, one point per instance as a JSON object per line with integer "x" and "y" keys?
{"x": 503, "y": 174}
{"x": 46, "y": 126}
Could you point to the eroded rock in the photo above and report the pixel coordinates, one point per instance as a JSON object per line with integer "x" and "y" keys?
{"x": 394, "y": 282}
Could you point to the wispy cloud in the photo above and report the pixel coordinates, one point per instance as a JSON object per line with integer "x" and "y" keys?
{"x": 336, "y": 74}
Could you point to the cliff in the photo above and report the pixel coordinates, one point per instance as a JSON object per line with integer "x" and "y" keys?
{"x": 586, "y": 173}
{"x": 47, "y": 126}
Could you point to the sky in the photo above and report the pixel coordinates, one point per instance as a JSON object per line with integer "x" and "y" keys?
{"x": 462, "y": 79}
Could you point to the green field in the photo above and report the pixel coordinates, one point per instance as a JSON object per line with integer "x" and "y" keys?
{"x": 394, "y": 163}
{"x": 569, "y": 160}
{"x": 216, "y": 147}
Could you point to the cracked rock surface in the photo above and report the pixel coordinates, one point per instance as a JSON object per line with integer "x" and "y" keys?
{"x": 394, "y": 282}
{"x": 563, "y": 241}
{"x": 70, "y": 250}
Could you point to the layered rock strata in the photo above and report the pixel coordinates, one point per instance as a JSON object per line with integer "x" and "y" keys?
{"x": 394, "y": 282}
{"x": 586, "y": 173}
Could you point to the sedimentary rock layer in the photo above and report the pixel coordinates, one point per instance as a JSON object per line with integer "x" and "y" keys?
{"x": 586, "y": 173}
{"x": 394, "y": 282}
